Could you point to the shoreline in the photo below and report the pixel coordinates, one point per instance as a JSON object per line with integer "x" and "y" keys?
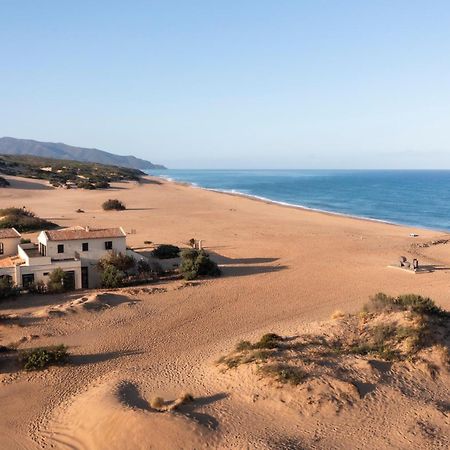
{"x": 269, "y": 201}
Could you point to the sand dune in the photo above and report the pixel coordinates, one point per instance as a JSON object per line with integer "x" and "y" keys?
{"x": 112, "y": 414}
{"x": 284, "y": 271}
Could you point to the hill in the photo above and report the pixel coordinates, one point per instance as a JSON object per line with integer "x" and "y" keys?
{"x": 66, "y": 173}
{"x": 13, "y": 146}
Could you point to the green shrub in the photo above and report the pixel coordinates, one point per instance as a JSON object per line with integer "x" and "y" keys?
{"x": 196, "y": 263}
{"x": 284, "y": 373}
{"x": 7, "y": 288}
{"x": 143, "y": 266}
{"x": 40, "y": 358}
{"x": 121, "y": 262}
{"x": 111, "y": 277}
{"x": 407, "y": 302}
{"x": 101, "y": 185}
{"x": 56, "y": 281}
{"x": 23, "y": 220}
{"x": 113, "y": 204}
{"x": 166, "y": 251}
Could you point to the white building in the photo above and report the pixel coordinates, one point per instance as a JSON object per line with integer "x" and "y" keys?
{"x": 76, "y": 250}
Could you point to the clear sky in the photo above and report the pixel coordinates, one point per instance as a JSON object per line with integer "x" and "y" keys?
{"x": 232, "y": 84}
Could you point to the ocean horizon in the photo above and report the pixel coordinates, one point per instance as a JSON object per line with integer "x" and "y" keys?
{"x": 417, "y": 198}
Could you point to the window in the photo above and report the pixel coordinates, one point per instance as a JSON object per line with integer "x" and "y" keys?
{"x": 60, "y": 248}
{"x": 85, "y": 246}
{"x": 42, "y": 249}
{"x": 45, "y": 274}
{"x": 2, "y": 250}
{"x": 108, "y": 245}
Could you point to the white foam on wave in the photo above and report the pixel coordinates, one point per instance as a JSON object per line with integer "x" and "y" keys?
{"x": 293, "y": 205}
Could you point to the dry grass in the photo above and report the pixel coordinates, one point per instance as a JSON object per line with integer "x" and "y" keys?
{"x": 337, "y": 315}
{"x": 391, "y": 329}
{"x": 159, "y": 404}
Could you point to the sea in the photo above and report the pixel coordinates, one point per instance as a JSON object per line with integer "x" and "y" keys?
{"x": 419, "y": 198}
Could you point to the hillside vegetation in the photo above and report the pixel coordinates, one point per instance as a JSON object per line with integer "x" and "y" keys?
{"x": 65, "y": 172}
{"x": 23, "y": 220}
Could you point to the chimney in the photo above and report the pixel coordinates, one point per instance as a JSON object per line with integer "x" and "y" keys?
{"x": 88, "y": 228}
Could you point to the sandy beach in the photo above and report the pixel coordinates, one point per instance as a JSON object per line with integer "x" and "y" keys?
{"x": 285, "y": 270}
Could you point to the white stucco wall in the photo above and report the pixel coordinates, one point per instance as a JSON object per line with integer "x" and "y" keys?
{"x": 96, "y": 247}
{"x": 10, "y": 246}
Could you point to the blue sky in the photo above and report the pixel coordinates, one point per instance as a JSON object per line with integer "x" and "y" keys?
{"x": 232, "y": 84}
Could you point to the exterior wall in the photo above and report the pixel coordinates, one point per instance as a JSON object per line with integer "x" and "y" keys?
{"x": 10, "y": 246}
{"x": 88, "y": 258}
{"x": 8, "y": 271}
{"x": 40, "y": 265}
{"x": 39, "y": 271}
{"x": 34, "y": 260}
{"x": 72, "y": 247}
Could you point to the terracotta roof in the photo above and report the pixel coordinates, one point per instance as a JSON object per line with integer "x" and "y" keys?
{"x": 80, "y": 233}
{"x": 7, "y": 233}
{"x": 11, "y": 261}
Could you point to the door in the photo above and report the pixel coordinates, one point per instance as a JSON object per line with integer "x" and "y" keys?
{"x": 84, "y": 278}
{"x": 27, "y": 280}
{"x": 69, "y": 280}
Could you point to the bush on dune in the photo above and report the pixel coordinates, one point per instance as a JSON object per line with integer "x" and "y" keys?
{"x": 113, "y": 205}
{"x": 40, "y": 358}
{"x": 406, "y": 302}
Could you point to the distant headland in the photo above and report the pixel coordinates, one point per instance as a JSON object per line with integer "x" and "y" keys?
{"x": 13, "y": 146}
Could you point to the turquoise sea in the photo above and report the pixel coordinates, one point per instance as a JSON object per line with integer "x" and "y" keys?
{"x": 412, "y": 197}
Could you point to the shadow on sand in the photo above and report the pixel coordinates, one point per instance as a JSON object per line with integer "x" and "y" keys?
{"x": 239, "y": 267}
{"x": 130, "y": 396}
{"x": 95, "y": 358}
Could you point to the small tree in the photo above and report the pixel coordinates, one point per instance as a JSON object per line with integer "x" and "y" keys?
{"x": 122, "y": 262}
{"x": 196, "y": 263}
{"x": 56, "y": 280}
{"x": 113, "y": 204}
{"x": 143, "y": 266}
{"x": 7, "y": 288}
{"x": 112, "y": 277}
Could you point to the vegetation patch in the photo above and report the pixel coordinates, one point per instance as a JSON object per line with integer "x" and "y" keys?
{"x": 43, "y": 357}
{"x": 284, "y": 373}
{"x": 114, "y": 268}
{"x": 408, "y": 302}
{"x": 197, "y": 263}
{"x": 7, "y": 288}
{"x": 392, "y": 329}
{"x": 23, "y": 220}
{"x": 166, "y": 251}
{"x": 3, "y": 182}
{"x": 67, "y": 173}
{"x": 113, "y": 205}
